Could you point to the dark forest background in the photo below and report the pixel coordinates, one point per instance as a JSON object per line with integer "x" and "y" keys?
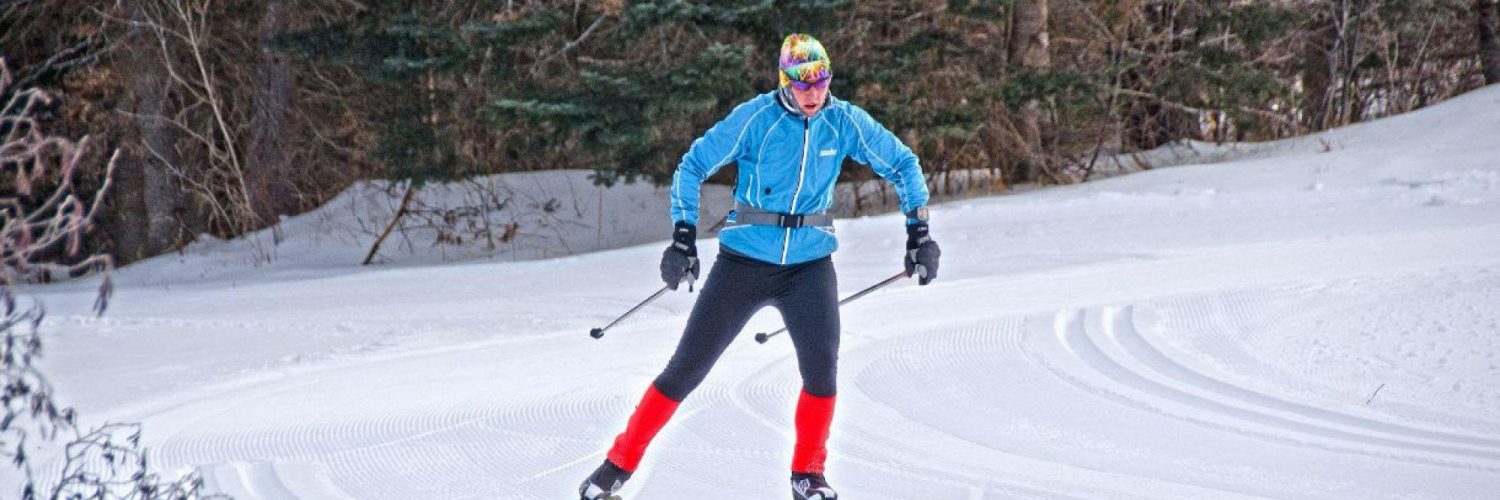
{"x": 228, "y": 114}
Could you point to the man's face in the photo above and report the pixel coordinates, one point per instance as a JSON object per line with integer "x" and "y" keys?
{"x": 810, "y": 97}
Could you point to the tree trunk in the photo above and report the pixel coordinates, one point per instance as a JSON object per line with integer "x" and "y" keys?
{"x": 125, "y": 213}
{"x": 411, "y": 188}
{"x": 1487, "y": 21}
{"x": 1317, "y": 66}
{"x": 1347, "y": 50}
{"x": 125, "y": 222}
{"x": 160, "y": 200}
{"x": 1029, "y": 49}
{"x": 268, "y": 174}
{"x": 163, "y": 199}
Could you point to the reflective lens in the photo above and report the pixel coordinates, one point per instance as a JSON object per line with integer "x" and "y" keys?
{"x": 821, "y": 84}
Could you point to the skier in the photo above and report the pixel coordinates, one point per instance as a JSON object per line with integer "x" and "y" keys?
{"x": 774, "y": 250}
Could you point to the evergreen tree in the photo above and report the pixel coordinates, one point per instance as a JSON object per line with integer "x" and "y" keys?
{"x": 659, "y": 74}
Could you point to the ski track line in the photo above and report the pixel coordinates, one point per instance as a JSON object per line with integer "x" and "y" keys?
{"x": 1120, "y": 328}
{"x": 584, "y": 417}
{"x": 360, "y": 451}
{"x": 414, "y": 441}
{"x": 451, "y": 447}
{"x": 769, "y": 395}
{"x": 261, "y": 480}
{"x": 1103, "y": 335}
{"x": 1229, "y": 318}
{"x": 1072, "y": 332}
{"x": 218, "y": 435}
{"x": 878, "y": 446}
{"x": 727, "y": 425}
{"x": 356, "y": 467}
{"x": 955, "y": 359}
{"x": 501, "y": 440}
{"x": 713, "y": 451}
{"x": 177, "y": 444}
{"x": 507, "y": 443}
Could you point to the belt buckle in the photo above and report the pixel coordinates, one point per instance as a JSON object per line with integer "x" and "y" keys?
{"x": 791, "y": 221}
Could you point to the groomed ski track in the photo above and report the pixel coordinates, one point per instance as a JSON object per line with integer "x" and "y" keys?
{"x": 1295, "y": 323}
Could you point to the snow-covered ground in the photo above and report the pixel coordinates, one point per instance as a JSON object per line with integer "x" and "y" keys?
{"x": 1314, "y": 318}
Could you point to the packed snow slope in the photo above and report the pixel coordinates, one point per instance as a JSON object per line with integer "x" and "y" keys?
{"x": 1313, "y": 318}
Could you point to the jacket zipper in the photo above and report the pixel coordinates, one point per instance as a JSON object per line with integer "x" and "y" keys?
{"x": 806, "y": 134}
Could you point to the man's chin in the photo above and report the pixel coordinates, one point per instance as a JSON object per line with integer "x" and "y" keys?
{"x": 811, "y": 112}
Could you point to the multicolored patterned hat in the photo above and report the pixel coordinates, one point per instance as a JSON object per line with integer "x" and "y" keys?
{"x": 803, "y": 61}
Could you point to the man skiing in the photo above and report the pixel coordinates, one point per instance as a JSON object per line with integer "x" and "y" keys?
{"x": 774, "y": 251}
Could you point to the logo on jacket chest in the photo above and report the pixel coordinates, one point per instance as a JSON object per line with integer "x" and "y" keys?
{"x": 828, "y": 152}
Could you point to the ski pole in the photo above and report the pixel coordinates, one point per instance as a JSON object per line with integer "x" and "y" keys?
{"x": 599, "y": 332}
{"x": 763, "y": 337}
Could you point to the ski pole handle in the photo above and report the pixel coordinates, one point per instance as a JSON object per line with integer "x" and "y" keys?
{"x": 921, "y": 270}
{"x": 599, "y": 332}
{"x": 763, "y": 337}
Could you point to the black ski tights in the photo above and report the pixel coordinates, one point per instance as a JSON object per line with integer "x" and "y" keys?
{"x": 737, "y": 287}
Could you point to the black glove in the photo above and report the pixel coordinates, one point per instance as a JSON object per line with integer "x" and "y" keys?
{"x": 921, "y": 253}
{"x": 681, "y": 259}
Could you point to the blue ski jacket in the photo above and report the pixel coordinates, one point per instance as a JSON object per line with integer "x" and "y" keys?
{"x": 788, "y": 163}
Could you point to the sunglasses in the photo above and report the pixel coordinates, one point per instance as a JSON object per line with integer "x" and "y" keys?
{"x": 820, "y": 84}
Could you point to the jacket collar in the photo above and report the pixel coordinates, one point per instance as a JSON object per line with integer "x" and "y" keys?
{"x": 789, "y": 103}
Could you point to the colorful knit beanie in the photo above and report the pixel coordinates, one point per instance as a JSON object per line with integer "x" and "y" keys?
{"x": 803, "y": 62}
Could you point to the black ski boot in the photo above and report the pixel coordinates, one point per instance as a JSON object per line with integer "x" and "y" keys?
{"x": 603, "y": 483}
{"x": 811, "y": 487}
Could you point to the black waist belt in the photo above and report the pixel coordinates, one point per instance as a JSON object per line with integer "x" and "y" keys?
{"x": 751, "y": 216}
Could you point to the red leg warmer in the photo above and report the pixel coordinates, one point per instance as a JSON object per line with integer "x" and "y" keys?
{"x": 650, "y": 415}
{"x": 814, "y": 415}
